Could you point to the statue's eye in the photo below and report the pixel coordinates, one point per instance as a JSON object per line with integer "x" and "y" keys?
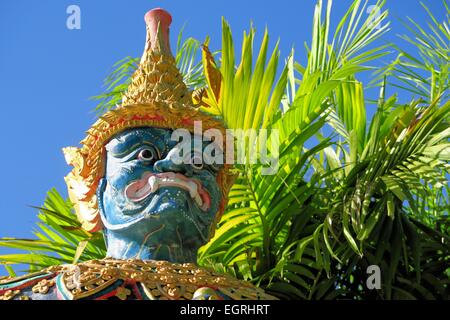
{"x": 197, "y": 161}
{"x": 147, "y": 154}
{"x": 215, "y": 167}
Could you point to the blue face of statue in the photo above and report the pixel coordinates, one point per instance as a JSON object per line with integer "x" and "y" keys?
{"x": 152, "y": 207}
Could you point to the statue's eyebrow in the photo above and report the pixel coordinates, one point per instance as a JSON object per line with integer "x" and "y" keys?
{"x": 120, "y": 146}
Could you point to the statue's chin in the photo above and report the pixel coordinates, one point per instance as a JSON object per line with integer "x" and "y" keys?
{"x": 170, "y": 206}
{"x": 169, "y": 202}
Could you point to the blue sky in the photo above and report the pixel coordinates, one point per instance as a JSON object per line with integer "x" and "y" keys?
{"x": 48, "y": 73}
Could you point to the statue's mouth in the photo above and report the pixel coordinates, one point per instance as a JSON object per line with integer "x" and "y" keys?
{"x": 150, "y": 182}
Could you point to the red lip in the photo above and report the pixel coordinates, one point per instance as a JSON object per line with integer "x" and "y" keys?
{"x": 149, "y": 183}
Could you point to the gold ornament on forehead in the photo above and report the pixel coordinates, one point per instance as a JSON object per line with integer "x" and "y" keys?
{"x": 156, "y": 97}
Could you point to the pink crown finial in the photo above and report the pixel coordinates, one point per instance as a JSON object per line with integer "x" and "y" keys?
{"x": 164, "y": 19}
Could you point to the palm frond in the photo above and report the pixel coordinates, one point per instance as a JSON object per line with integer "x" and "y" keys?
{"x": 424, "y": 73}
{"x": 59, "y": 238}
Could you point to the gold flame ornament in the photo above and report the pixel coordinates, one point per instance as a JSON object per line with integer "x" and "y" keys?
{"x": 156, "y": 97}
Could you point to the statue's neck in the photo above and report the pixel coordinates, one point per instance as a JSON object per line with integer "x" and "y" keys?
{"x": 126, "y": 247}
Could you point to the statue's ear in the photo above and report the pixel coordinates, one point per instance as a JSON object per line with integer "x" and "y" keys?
{"x": 100, "y": 192}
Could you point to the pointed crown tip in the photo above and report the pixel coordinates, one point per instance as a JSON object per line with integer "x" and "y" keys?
{"x": 158, "y": 15}
{"x": 158, "y": 24}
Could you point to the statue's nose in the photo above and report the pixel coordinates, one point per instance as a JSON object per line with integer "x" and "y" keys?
{"x": 172, "y": 163}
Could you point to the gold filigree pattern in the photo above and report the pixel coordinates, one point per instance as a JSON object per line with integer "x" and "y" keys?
{"x": 43, "y": 286}
{"x": 160, "y": 280}
{"x": 122, "y": 293}
{"x": 9, "y": 294}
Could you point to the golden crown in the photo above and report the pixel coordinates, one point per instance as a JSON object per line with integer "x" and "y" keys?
{"x": 156, "y": 97}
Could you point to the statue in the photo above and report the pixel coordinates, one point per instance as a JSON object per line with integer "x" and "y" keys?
{"x": 155, "y": 212}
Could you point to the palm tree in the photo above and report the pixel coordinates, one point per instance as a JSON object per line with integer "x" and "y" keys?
{"x": 348, "y": 194}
